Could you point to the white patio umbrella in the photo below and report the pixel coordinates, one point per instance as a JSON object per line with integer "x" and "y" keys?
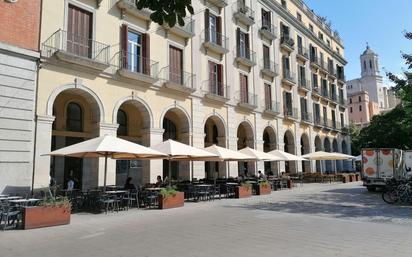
{"x": 181, "y": 152}
{"x": 108, "y": 147}
{"x": 286, "y": 156}
{"x": 325, "y": 156}
{"x": 259, "y": 155}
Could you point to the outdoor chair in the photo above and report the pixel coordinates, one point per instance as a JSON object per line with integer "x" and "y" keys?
{"x": 151, "y": 199}
{"x": 216, "y": 191}
{"x": 131, "y": 199}
{"x": 109, "y": 203}
{"x": 202, "y": 193}
{"x": 9, "y": 216}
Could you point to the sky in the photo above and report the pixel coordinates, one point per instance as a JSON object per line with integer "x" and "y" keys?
{"x": 378, "y": 22}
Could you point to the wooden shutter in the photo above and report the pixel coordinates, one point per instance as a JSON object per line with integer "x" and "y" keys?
{"x": 123, "y": 46}
{"x": 243, "y": 89}
{"x": 79, "y": 32}
{"x": 207, "y": 25}
{"x": 247, "y": 45}
{"x": 268, "y": 96}
{"x": 219, "y": 38}
{"x": 146, "y": 54}
{"x": 221, "y": 89}
{"x": 175, "y": 65}
{"x": 266, "y": 57}
{"x": 212, "y": 86}
{"x": 238, "y": 41}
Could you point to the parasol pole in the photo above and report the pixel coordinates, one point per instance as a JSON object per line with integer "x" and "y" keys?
{"x": 105, "y": 171}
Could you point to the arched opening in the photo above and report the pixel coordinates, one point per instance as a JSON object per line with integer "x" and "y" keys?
{"x": 133, "y": 119}
{"x": 337, "y": 164}
{"x": 289, "y": 141}
{"x": 327, "y": 147}
{"x": 77, "y": 116}
{"x": 245, "y": 138}
{"x": 318, "y": 147}
{"x": 214, "y": 130}
{"x": 269, "y": 144}
{"x": 176, "y": 126}
{"x": 347, "y": 165}
{"x": 305, "y": 149}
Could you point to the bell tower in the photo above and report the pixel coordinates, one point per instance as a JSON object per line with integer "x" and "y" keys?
{"x": 369, "y": 63}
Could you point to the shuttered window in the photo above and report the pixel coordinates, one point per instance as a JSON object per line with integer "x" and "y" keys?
{"x": 244, "y": 90}
{"x": 268, "y": 97}
{"x": 79, "y": 32}
{"x": 135, "y": 50}
{"x": 176, "y": 65}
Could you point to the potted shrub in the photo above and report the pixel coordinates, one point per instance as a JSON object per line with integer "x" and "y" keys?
{"x": 49, "y": 212}
{"x": 244, "y": 190}
{"x": 263, "y": 188}
{"x": 170, "y": 198}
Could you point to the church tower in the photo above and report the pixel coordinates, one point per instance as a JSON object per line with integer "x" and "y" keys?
{"x": 369, "y": 63}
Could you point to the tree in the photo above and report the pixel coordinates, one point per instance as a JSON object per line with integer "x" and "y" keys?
{"x": 167, "y": 11}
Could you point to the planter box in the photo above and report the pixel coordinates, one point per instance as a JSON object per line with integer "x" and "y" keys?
{"x": 243, "y": 192}
{"x": 173, "y": 201}
{"x": 345, "y": 178}
{"x": 290, "y": 183}
{"x": 263, "y": 190}
{"x": 45, "y": 216}
{"x": 357, "y": 176}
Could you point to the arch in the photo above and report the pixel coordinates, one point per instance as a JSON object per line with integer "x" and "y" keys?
{"x": 335, "y": 148}
{"x": 88, "y": 94}
{"x": 181, "y": 113}
{"x": 74, "y": 117}
{"x": 289, "y": 147}
{"x": 215, "y": 133}
{"x": 269, "y": 144}
{"x": 219, "y": 122}
{"x": 328, "y": 148}
{"x": 245, "y": 137}
{"x": 140, "y": 104}
{"x": 344, "y": 147}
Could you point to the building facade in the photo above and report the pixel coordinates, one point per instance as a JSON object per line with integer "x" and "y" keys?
{"x": 19, "y": 56}
{"x": 361, "y": 109}
{"x": 266, "y": 74}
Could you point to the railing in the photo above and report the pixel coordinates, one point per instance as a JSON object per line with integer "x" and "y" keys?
{"x": 220, "y": 3}
{"x": 189, "y": 25}
{"x": 314, "y": 60}
{"x": 325, "y": 93}
{"x": 215, "y": 38}
{"x": 318, "y": 120}
{"x": 341, "y": 76}
{"x": 240, "y": 7}
{"x": 333, "y": 96}
{"x": 215, "y": 88}
{"x": 306, "y": 116}
{"x": 342, "y": 100}
{"x": 322, "y": 64}
{"x": 136, "y": 63}
{"x": 303, "y": 83}
{"x": 316, "y": 90}
{"x": 290, "y": 112}
{"x": 303, "y": 51}
{"x": 266, "y": 64}
{"x": 269, "y": 27}
{"x": 289, "y": 75}
{"x": 178, "y": 77}
{"x": 77, "y": 46}
{"x": 247, "y": 98}
{"x": 245, "y": 53}
{"x": 287, "y": 40}
{"x": 272, "y": 106}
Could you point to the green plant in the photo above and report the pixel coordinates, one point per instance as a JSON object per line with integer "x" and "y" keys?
{"x": 264, "y": 183}
{"x": 168, "y": 191}
{"x": 55, "y": 202}
{"x": 246, "y": 184}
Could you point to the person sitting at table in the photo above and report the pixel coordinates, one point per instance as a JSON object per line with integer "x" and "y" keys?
{"x": 70, "y": 184}
{"x": 261, "y": 175}
{"x": 159, "y": 181}
{"x": 129, "y": 185}
{"x": 166, "y": 180}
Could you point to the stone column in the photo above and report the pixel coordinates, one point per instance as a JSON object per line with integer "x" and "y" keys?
{"x": 153, "y": 168}
{"x": 43, "y": 146}
{"x": 104, "y": 129}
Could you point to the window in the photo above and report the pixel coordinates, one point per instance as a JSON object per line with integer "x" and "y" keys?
{"x": 328, "y": 42}
{"x": 350, "y": 100}
{"x": 283, "y": 2}
{"x": 286, "y": 67}
{"x": 360, "y": 99}
{"x": 266, "y": 57}
{"x": 338, "y": 50}
{"x": 79, "y": 31}
{"x": 334, "y": 118}
{"x": 176, "y": 65}
{"x": 315, "y": 80}
{"x": 170, "y": 130}
{"x": 364, "y": 65}
{"x": 122, "y": 121}
{"x": 268, "y": 96}
{"x": 287, "y": 103}
{"x": 216, "y": 79}
{"x": 242, "y": 44}
{"x": 299, "y": 16}
{"x": 370, "y": 64}
{"x": 244, "y": 89}
{"x": 284, "y": 31}
{"x": 134, "y": 51}
{"x": 325, "y": 115}
{"x": 303, "y": 107}
{"x": 342, "y": 120}
{"x": 300, "y": 44}
{"x": 360, "y": 108}
{"x": 213, "y": 31}
{"x": 302, "y": 75}
{"x": 320, "y": 35}
{"x": 311, "y": 27}
{"x": 74, "y": 120}
{"x": 351, "y": 110}
{"x": 266, "y": 20}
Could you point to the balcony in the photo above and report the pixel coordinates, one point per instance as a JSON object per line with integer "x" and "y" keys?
{"x": 327, "y": 124}
{"x": 137, "y": 68}
{"x": 318, "y": 121}
{"x": 325, "y": 93}
{"x": 306, "y": 117}
{"x": 77, "y": 50}
{"x": 341, "y": 77}
{"x": 302, "y": 54}
{"x": 187, "y": 31}
{"x": 245, "y": 57}
{"x": 271, "y": 107}
{"x": 342, "y": 101}
{"x": 323, "y": 66}
{"x": 214, "y": 41}
{"x": 288, "y": 77}
{"x": 268, "y": 30}
{"x": 334, "y": 97}
{"x": 314, "y": 62}
{"x": 290, "y": 113}
{"x": 243, "y": 13}
{"x": 269, "y": 68}
{"x": 218, "y": 3}
{"x": 180, "y": 81}
{"x": 287, "y": 43}
{"x": 246, "y": 100}
{"x": 129, "y": 7}
{"x": 332, "y": 73}
{"x": 316, "y": 91}
{"x": 215, "y": 91}
{"x": 303, "y": 84}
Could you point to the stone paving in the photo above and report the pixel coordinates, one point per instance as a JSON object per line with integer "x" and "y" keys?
{"x": 310, "y": 220}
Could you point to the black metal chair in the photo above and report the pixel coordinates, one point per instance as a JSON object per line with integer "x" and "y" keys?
{"x": 9, "y": 216}
{"x": 151, "y": 198}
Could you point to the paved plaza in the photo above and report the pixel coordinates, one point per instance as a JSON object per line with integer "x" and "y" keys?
{"x": 310, "y": 220}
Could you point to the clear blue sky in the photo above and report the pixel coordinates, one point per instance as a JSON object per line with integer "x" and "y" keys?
{"x": 378, "y": 22}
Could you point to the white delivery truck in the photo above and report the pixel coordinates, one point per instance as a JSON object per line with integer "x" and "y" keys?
{"x": 380, "y": 165}
{"x": 407, "y": 163}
